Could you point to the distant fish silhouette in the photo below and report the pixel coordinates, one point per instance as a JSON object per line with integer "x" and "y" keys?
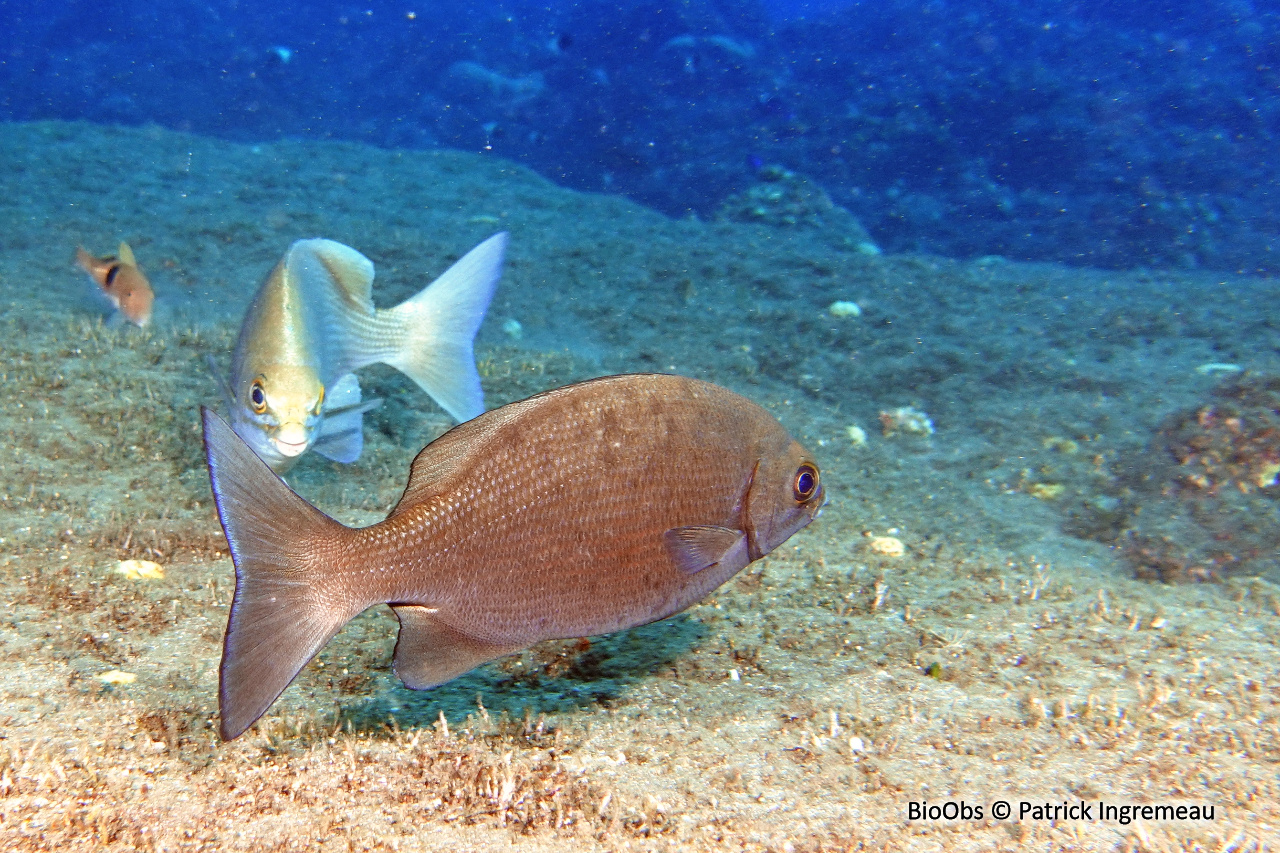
{"x": 581, "y": 511}
{"x": 313, "y": 324}
{"x": 122, "y": 283}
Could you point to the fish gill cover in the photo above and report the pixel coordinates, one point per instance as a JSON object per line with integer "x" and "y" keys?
{"x": 1093, "y": 133}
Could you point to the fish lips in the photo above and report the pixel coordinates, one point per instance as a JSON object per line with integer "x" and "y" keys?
{"x": 291, "y": 439}
{"x": 289, "y": 449}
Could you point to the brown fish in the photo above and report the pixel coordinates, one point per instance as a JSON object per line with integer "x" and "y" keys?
{"x": 581, "y": 511}
{"x": 122, "y": 282}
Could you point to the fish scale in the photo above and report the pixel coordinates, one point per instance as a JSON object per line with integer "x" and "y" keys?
{"x": 581, "y": 511}
{"x": 535, "y": 533}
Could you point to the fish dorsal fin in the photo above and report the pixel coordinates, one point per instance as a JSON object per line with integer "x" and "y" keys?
{"x": 125, "y": 254}
{"x": 701, "y": 547}
{"x": 430, "y": 652}
{"x": 441, "y": 457}
{"x": 351, "y": 270}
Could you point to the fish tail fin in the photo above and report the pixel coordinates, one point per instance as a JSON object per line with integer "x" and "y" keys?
{"x": 437, "y": 328}
{"x": 283, "y": 611}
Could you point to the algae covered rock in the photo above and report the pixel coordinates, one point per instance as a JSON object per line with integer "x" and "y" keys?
{"x": 1199, "y": 502}
{"x": 782, "y": 199}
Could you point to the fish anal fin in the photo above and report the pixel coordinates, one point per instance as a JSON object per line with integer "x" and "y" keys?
{"x": 429, "y": 652}
{"x": 695, "y": 548}
{"x": 125, "y": 254}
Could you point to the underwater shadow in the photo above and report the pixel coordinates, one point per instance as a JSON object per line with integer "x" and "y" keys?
{"x": 552, "y": 677}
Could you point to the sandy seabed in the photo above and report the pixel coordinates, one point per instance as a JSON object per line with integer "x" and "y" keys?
{"x": 805, "y": 706}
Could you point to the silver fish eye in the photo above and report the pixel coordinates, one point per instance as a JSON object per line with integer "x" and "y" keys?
{"x": 258, "y": 396}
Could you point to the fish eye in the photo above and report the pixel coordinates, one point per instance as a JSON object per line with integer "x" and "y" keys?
{"x": 258, "y": 397}
{"x": 805, "y": 483}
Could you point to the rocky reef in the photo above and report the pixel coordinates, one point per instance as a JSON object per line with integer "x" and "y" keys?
{"x": 1199, "y": 502}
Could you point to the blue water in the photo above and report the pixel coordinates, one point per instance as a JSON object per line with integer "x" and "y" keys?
{"x": 1106, "y": 134}
{"x": 1083, "y": 426}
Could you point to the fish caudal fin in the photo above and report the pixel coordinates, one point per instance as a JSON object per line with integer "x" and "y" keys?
{"x": 85, "y": 260}
{"x": 282, "y": 613}
{"x": 439, "y": 325}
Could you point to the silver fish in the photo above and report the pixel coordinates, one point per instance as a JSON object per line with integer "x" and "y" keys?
{"x": 312, "y": 324}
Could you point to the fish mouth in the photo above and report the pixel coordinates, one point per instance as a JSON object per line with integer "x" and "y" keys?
{"x": 290, "y": 440}
{"x": 290, "y": 448}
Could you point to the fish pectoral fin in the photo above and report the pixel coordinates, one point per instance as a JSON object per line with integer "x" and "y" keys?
{"x": 341, "y": 393}
{"x": 224, "y": 385}
{"x": 341, "y": 436}
{"x": 429, "y": 652}
{"x": 126, "y": 255}
{"x": 343, "y": 446}
{"x": 696, "y": 548}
